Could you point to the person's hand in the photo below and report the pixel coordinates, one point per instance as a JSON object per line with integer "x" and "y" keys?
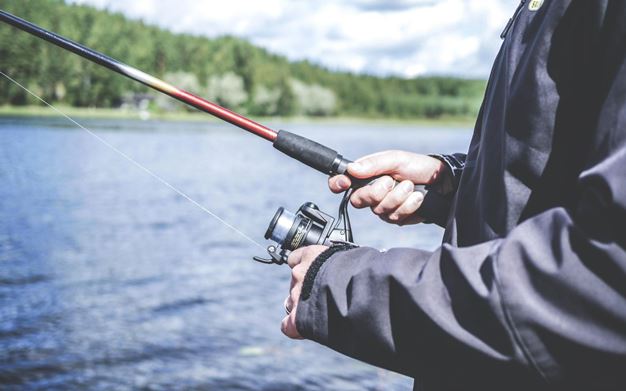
{"x": 393, "y": 203}
{"x": 299, "y": 261}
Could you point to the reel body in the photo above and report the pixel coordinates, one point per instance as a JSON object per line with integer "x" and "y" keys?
{"x": 307, "y": 226}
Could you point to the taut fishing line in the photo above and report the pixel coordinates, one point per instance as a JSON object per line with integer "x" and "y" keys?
{"x": 136, "y": 163}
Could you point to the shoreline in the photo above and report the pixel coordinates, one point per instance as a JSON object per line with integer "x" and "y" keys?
{"x": 121, "y": 114}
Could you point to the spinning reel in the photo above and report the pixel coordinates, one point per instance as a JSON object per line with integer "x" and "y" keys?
{"x": 308, "y": 226}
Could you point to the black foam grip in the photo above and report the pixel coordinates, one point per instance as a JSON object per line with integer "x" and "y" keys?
{"x": 307, "y": 151}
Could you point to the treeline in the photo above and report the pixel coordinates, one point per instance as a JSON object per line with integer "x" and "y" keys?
{"x": 228, "y": 70}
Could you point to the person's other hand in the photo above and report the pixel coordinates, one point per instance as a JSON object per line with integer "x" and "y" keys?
{"x": 393, "y": 203}
{"x": 299, "y": 261}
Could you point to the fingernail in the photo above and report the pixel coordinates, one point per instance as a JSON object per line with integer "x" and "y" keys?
{"x": 343, "y": 182}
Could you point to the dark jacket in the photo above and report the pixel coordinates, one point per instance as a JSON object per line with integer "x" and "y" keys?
{"x": 528, "y": 290}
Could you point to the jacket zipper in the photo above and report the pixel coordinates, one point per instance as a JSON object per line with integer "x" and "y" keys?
{"x": 513, "y": 19}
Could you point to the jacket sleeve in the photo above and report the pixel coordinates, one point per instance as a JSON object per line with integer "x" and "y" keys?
{"x": 455, "y": 164}
{"x": 436, "y": 205}
{"x": 549, "y": 299}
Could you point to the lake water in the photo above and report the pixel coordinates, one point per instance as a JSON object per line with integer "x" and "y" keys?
{"x": 110, "y": 280}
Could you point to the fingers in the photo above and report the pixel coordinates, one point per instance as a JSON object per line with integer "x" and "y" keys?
{"x": 288, "y": 305}
{"x": 373, "y": 194}
{"x": 367, "y": 167}
{"x": 376, "y": 164}
{"x": 405, "y": 213}
{"x": 395, "y": 205}
{"x": 294, "y": 295}
{"x": 395, "y": 198}
{"x": 288, "y": 326}
{"x": 398, "y": 164}
{"x": 304, "y": 256}
{"x": 339, "y": 183}
{"x": 299, "y": 260}
{"x": 296, "y": 257}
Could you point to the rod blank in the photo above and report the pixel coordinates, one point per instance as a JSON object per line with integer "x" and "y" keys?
{"x": 142, "y": 77}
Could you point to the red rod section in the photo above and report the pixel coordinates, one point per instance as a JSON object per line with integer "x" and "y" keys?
{"x": 142, "y": 77}
{"x": 226, "y": 115}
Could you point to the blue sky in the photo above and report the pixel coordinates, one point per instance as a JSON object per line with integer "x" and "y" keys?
{"x": 400, "y": 37}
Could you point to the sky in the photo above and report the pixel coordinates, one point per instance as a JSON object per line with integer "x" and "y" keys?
{"x": 393, "y": 37}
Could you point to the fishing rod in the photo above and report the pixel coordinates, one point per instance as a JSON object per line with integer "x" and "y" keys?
{"x": 308, "y": 225}
{"x": 300, "y": 148}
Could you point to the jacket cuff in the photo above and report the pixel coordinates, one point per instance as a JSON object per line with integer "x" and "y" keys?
{"x": 435, "y": 207}
{"x": 455, "y": 164}
{"x": 311, "y": 320}
{"x": 309, "y": 278}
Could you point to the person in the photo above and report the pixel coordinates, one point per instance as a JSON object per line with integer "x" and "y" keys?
{"x": 528, "y": 289}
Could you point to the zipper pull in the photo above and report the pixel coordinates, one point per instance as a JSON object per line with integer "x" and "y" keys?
{"x": 512, "y": 19}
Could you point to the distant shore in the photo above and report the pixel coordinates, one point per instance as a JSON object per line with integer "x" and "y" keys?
{"x": 102, "y": 113}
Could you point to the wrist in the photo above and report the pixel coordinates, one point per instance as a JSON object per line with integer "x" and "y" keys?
{"x": 315, "y": 267}
{"x": 443, "y": 179}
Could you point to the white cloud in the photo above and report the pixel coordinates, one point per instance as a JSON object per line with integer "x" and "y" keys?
{"x": 403, "y": 37}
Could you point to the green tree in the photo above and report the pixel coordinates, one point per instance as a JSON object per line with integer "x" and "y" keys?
{"x": 235, "y": 72}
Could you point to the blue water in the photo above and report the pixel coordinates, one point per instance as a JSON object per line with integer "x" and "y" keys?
{"x": 109, "y": 280}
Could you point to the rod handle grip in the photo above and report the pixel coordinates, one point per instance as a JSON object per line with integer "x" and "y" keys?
{"x": 309, "y": 152}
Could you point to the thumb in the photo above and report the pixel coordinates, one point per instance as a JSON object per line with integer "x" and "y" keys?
{"x": 375, "y": 165}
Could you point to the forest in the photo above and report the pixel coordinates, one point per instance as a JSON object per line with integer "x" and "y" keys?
{"x": 228, "y": 70}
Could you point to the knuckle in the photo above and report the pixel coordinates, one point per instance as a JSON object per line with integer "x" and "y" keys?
{"x": 418, "y": 198}
{"x": 296, "y": 274}
{"x": 378, "y": 196}
{"x": 414, "y": 202}
{"x": 406, "y": 186}
{"x": 357, "y": 199}
{"x": 386, "y": 206}
{"x": 299, "y": 269}
{"x": 356, "y": 203}
{"x": 396, "y": 199}
{"x": 336, "y": 184}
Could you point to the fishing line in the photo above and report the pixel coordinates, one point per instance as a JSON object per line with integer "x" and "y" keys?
{"x": 136, "y": 163}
